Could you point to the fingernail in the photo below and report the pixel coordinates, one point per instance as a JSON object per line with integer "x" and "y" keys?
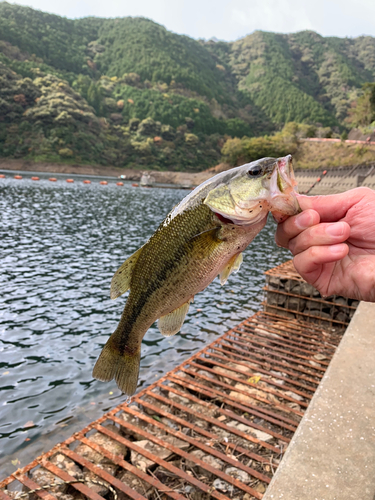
{"x": 303, "y": 220}
{"x": 335, "y": 229}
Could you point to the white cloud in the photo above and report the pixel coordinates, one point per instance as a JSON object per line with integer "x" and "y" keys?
{"x": 272, "y": 15}
{"x": 230, "y": 19}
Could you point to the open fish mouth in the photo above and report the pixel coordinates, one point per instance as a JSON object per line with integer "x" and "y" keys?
{"x": 283, "y": 189}
{"x": 285, "y": 174}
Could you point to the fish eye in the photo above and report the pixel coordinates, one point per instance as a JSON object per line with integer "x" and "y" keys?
{"x": 255, "y": 171}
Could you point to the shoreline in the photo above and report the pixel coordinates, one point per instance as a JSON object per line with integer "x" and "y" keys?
{"x": 333, "y": 180}
{"x": 63, "y": 168}
{"x": 187, "y": 179}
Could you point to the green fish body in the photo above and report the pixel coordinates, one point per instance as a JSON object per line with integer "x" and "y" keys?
{"x": 203, "y": 237}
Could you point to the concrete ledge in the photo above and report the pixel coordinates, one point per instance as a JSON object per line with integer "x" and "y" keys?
{"x": 332, "y": 453}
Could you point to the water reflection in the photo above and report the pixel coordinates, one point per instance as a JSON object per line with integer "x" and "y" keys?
{"x": 60, "y": 245}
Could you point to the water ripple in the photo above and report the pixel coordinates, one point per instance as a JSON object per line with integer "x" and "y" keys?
{"x": 60, "y": 245}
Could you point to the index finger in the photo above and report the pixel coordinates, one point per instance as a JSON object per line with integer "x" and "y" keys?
{"x": 293, "y": 226}
{"x": 333, "y": 207}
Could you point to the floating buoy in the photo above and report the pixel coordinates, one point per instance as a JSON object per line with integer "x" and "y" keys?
{"x": 52, "y": 179}
{"x": 18, "y": 176}
{"x": 119, "y": 183}
{"x": 69, "y": 180}
{"x": 2, "y": 176}
{"x": 86, "y": 181}
{"x": 103, "y": 183}
{"x": 135, "y": 184}
{"x": 35, "y": 179}
{"x": 325, "y": 171}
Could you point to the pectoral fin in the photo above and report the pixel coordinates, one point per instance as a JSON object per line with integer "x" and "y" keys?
{"x": 121, "y": 280}
{"x": 232, "y": 267}
{"x": 204, "y": 244}
{"x": 172, "y": 323}
{"x": 206, "y": 238}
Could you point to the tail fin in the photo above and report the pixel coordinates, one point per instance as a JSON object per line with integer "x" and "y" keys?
{"x": 124, "y": 368}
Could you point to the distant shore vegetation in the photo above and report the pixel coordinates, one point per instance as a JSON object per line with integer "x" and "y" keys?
{"x": 127, "y": 92}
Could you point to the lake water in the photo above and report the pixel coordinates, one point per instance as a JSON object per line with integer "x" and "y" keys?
{"x": 60, "y": 245}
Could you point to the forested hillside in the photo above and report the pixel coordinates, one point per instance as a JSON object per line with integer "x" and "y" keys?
{"x": 127, "y": 92}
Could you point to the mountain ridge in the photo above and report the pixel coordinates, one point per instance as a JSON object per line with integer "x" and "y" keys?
{"x": 128, "y": 92}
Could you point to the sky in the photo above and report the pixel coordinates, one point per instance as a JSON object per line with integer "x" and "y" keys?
{"x": 230, "y": 19}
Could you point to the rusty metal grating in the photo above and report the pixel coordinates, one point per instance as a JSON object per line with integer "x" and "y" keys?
{"x": 216, "y": 426}
{"x": 289, "y": 295}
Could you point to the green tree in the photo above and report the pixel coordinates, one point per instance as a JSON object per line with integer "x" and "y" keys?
{"x": 363, "y": 113}
{"x": 95, "y": 97}
{"x": 82, "y": 85}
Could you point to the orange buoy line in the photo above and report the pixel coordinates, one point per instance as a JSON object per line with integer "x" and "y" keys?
{"x": 135, "y": 184}
{"x": 53, "y": 179}
{"x": 317, "y": 180}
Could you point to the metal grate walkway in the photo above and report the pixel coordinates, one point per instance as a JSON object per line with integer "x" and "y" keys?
{"x": 216, "y": 426}
{"x": 288, "y": 295}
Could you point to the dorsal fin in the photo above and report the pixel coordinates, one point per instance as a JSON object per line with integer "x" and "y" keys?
{"x": 121, "y": 279}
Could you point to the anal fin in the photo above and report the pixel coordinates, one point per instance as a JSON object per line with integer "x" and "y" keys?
{"x": 232, "y": 267}
{"x": 172, "y": 323}
{"x": 121, "y": 279}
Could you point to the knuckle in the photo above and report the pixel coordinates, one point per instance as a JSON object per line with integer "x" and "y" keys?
{"x": 313, "y": 252}
{"x": 292, "y": 246}
{"x": 280, "y": 239}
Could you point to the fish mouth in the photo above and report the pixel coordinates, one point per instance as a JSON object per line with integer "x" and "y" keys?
{"x": 283, "y": 190}
{"x": 224, "y": 220}
{"x": 285, "y": 171}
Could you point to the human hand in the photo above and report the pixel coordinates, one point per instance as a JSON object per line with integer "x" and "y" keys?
{"x": 333, "y": 242}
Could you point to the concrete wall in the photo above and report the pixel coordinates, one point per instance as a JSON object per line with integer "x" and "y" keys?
{"x": 332, "y": 454}
{"x": 370, "y": 181}
{"x": 335, "y": 181}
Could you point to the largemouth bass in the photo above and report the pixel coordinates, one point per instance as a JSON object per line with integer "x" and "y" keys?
{"x": 202, "y": 237}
